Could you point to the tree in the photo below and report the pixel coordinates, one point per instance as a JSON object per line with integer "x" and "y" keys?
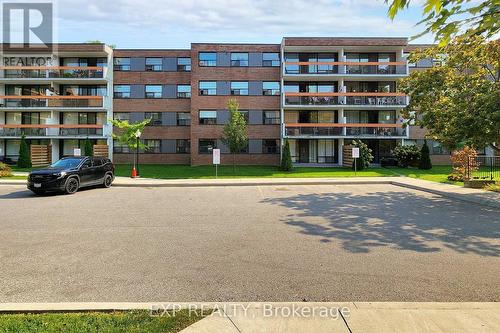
{"x": 425, "y": 158}
{"x": 87, "y": 148}
{"x": 234, "y": 133}
{"x": 126, "y": 132}
{"x": 365, "y": 155}
{"x": 286, "y": 157}
{"x": 407, "y": 155}
{"x": 24, "y": 160}
{"x": 459, "y": 101}
{"x": 448, "y": 18}
{"x": 464, "y": 163}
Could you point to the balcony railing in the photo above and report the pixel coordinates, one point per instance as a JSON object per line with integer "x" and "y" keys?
{"x": 18, "y": 130}
{"x": 346, "y": 130}
{"x": 39, "y": 72}
{"x": 350, "y": 68}
{"x": 352, "y": 98}
{"x": 14, "y": 101}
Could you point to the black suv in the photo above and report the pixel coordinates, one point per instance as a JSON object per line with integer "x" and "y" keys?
{"x": 70, "y": 173}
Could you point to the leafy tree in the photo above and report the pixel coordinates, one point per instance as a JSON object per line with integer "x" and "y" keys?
{"x": 234, "y": 133}
{"x": 126, "y": 132}
{"x": 365, "y": 155}
{"x": 448, "y": 18}
{"x": 425, "y": 158}
{"x": 464, "y": 164}
{"x": 88, "y": 150}
{"x": 286, "y": 157}
{"x": 24, "y": 160}
{"x": 459, "y": 101}
{"x": 407, "y": 155}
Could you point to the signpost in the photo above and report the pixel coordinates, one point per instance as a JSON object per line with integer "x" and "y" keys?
{"x": 355, "y": 155}
{"x": 77, "y": 152}
{"x": 216, "y": 159}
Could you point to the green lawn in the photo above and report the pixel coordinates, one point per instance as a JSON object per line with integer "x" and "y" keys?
{"x": 14, "y": 177}
{"x": 438, "y": 173}
{"x": 114, "y": 322}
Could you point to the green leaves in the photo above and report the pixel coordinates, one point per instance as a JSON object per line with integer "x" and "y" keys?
{"x": 127, "y": 132}
{"x": 234, "y": 133}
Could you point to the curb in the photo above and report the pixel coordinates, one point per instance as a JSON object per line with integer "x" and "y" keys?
{"x": 335, "y": 182}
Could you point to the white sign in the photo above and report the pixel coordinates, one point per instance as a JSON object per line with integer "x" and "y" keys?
{"x": 216, "y": 156}
{"x": 77, "y": 152}
{"x": 355, "y": 152}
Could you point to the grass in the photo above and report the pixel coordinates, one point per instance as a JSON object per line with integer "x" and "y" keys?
{"x": 14, "y": 177}
{"x": 114, "y": 322}
{"x": 438, "y": 173}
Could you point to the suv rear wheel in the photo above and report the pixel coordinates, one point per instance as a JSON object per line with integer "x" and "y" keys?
{"x": 71, "y": 185}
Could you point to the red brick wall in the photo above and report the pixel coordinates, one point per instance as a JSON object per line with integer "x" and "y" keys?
{"x": 152, "y": 158}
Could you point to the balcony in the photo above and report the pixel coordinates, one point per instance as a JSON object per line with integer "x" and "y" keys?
{"x": 308, "y": 130}
{"x": 60, "y": 72}
{"x": 346, "y": 100}
{"x": 313, "y": 67}
{"x": 315, "y": 70}
{"x": 51, "y": 130}
{"x": 42, "y": 101}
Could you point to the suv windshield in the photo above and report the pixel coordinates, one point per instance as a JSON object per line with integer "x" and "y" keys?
{"x": 68, "y": 163}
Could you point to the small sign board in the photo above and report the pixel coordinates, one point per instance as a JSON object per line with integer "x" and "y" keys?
{"x": 77, "y": 152}
{"x": 216, "y": 156}
{"x": 355, "y": 152}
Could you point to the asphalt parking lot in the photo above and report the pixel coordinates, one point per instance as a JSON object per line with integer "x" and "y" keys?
{"x": 253, "y": 243}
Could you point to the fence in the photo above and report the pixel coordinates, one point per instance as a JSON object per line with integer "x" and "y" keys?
{"x": 484, "y": 167}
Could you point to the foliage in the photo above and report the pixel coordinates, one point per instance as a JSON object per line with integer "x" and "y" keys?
{"x": 234, "y": 133}
{"x": 88, "y": 150}
{"x": 365, "y": 154}
{"x": 286, "y": 157}
{"x": 5, "y": 170}
{"x": 493, "y": 187}
{"x": 24, "y": 160}
{"x": 448, "y": 18}
{"x": 464, "y": 163}
{"x": 127, "y": 132}
{"x": 407, "y": 155}
{"x": 425, "y": 158}
{"x": 459, "y": 101}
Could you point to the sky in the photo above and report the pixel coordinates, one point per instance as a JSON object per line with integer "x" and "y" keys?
{"x": 176, "y": 24}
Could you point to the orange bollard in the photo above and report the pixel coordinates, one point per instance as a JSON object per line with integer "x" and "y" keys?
{"x": 134, "y": 173}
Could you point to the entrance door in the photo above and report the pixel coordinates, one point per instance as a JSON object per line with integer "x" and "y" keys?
{"x": 303, "y": 151}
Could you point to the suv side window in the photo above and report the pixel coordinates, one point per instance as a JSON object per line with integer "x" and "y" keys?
{"x": 87, "y": 163}
{"x": 97, "y": 161}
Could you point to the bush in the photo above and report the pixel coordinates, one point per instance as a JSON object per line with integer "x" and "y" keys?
{"x": 5, "y": 170}
{"x": 407, "y": 155}
{"x": 88, "y": 150}
{"x": 493, "y": 187}
{"x": 365, "y": 155}
{"x": 464, "y": 161}
{"x": 286, "y": 158}
{"x": 425, "y": 158}
{"x": 24, "y": 160}
{"x": 455, "y": 177}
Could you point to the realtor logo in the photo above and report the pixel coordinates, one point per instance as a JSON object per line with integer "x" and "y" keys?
{"x": 27, "y": 24}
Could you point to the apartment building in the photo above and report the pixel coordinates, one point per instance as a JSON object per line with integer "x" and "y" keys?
{"x": 56, "y": 99}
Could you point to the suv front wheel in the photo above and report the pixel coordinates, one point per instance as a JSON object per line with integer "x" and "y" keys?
{"x": 108, "y": 180}
{"x": 71, "y": 185}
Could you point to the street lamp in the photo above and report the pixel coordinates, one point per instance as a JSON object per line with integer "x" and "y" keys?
{"x": 137, "y": 136}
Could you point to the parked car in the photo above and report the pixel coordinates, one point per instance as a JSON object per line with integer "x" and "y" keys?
{"x": 71, "y": 173}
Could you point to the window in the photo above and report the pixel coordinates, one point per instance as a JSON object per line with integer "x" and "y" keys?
{"x": 119, "y": 147}
{"x": 153, "y": 91}
{"x": 271, "y": 117}
{"x": 207, "y": 59}
{"x": 183, "y": 146}
{"x": 183, "y": 119}
{"x": 245, "y": 115}
{"x": 121, "y": 64}
{"x": 208, "y": 88}
{"x": 183, "y": 91}
{"x": 208, "y": 117}
{"x": 239, "y": 59}
{"x": 121, "y": 91}
{"x": 155, "y": 118}
{"x": 152, "y": 146}
{"x": 270, "y": 146}
{"x": 270, "y": 88}
{"x": 239, "y": 88}
{"x": 270, "y": 59}
{"x": 184, "y": 64}
{"x": 154, "y": 64}
{"x": 121, "y": 116}
{"x": 205, "y": 146}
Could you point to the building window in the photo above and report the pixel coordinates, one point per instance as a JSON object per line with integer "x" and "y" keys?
{"x": 270, "y": 88}
{"x": 239, "y": 59}
{"x": 183, "y": 146}
{"x": 239, "y": 88}
{"x": 121, "y": 91}
{"x": 208, "y": 117}
{"x": 207, "y": 59}
{"x": 155, "y": 118}
{"x": 122, "y": 116}
{"x": 271, "y": 117}
{"x": 153, "y": 91}
{"x": 270, "y": 146}
{"x": 183, "y": 119}
{"x": 208, "y": 88}
{"x": 270, "y": 59}
{"x": 120, "y": 148}
{"x": 183, "y": 91}
{"x": 205, "y": 146}
{"x": 154, "y": 64}
{"x": 184, "y": 64}
{"x": 153, "y": 146}
{"x": 121, "y": 64}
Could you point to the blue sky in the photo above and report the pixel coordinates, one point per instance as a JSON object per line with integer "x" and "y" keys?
{"x": 175, "y": 24}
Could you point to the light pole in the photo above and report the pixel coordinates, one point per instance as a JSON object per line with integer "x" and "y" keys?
{"x": 137, "y": 136}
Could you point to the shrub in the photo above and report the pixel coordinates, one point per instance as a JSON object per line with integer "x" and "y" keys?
{"x": 425, "y": 158}
{"x": 88, "y": 150}
{"x": 365, "y": 155}
{"x": 493, "y": 187}
{"x": 407, "y": 155}
{"x": 464, "y": 161}
{"x": 286, "y": 158}
{"x": 24, "y": 160}
{"x": 5, "y": 170}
